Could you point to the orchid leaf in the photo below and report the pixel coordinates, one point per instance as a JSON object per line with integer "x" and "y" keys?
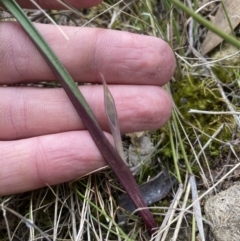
{"x": 108, "y": 152}
{"x": 111, "y": 112}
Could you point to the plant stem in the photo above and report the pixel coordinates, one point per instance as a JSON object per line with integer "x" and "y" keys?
{"x": 228, "y": 38}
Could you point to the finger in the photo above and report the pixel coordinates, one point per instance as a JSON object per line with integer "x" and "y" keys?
{"x": 33, "y": 163}
{"x": 27, "y": 112}
{"x": 122, "y": 57}
{"x": 54, "y": 4}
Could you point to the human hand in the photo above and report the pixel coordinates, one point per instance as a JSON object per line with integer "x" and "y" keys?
{"x": 43, "y": 140}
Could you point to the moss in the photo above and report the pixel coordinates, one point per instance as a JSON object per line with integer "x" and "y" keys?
{"x": 201, "y": 94}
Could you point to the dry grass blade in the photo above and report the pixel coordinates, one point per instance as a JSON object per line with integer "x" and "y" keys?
{"x": 28, "y": 222}
{"x": 165, "y": 226}
{"x": 196, "y": 207}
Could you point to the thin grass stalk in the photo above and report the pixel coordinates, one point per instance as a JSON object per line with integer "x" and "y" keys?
{"x": 196, "y": 207}
{"x": 73, "y": 217}
{"x": 191, "y": 27}
{"x": 28, "y": 222}
{"x": 31, "y": 229}
{"x": 51, "y": 19}
{"x": 101, "y": 211}
{"x": 155, "y": 23}
{"x": 181, "y": 144}
{"x": 193, "y": 228}
{"x": 228, "y": 38}
{"x": 176, "y": 29}
{"x": 83, "y": 212}
{"x": 174, "y": 25}
{"x": 175, "y": 160}
{"x": 228, "y": 19}
{"x": 108, "y": 152}
{"x": 167, "y": 221}
{"x": 4, "y": 213}
{"x": 88, "y": 225}
{"x": 181, "y": 215}
{"x": 152, "y": 17}
{"x": 55, "y": 222}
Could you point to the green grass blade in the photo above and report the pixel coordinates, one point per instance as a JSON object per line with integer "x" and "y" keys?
{"x": 110, "y": 155}
{"x": 207, "y": 24}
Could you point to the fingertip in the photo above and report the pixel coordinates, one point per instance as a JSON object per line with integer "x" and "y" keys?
{"x": 166, "y": 111}
{"x": 170, "y": 62}
{"x": 134, "y": 58}
{"x": 160, "y": 61}
{"x": 159, "y": 108}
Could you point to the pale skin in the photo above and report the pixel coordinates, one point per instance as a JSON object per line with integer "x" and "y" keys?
{"x": 42, "y": 139}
